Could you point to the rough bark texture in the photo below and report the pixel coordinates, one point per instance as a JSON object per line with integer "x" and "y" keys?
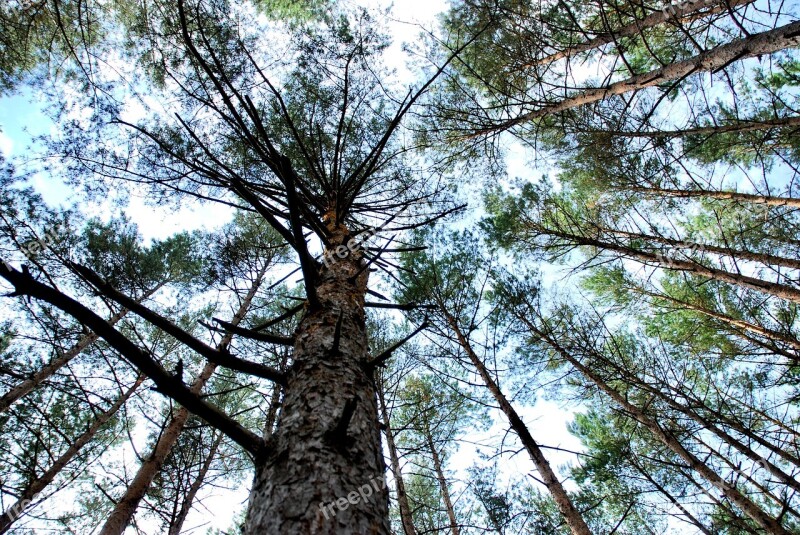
{"x": 565, "y": 506}
{"x": 324, "y": 470}
{"x": 38, "y": 484}
{"x": 125, "y": 508}
{"x": 402, "y": 498}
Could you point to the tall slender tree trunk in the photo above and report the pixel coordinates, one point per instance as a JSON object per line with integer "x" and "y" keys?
{"x": 742, "y": 125}
{"x": 750, "y": 508}
{"x": 762, "y": 258}
{"x": 781, "y": 38}
{"x": 191, "y": 493}
{"x": 564, "y": 503}
{"x": 692, "y": 519}
{"x": 124, "y": 509}
{"x": 324, "y": 470}
{"x": 678, "y": 11}
{"x": 768, "y": 200}
{"x": 37, "y": 485}
{"x": 733, "y": 322}
{"x": 26, "y": 387}
{"x": 643, "y": 385}
{"x": 783, "y": 291}
{"x": 406, "y": 518}
{"x": 443, "y": 487}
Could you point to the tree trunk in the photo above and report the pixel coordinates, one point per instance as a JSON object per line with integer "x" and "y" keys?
{"x": 752, "y": 510}
{"x": 123, "y": 511}
{"x": 443, "y": 488}
{"x": 729, "y": 127}
{"x": 323, "y": 472}
{"x": 678, "y": 11}
{"x": 38, "y": 484}
{"x": 25, "y": 387}
{"x": 572, "y": 516}
{"x": 762, "y": 258}
{"x": 781, "y": 38}
{"x": 642, "y": 385}
{"x": 656, "y": 259}
{"x": 733, "y": 322}
{"x": 402, "y": 498}
{"x": 790, "y": 202}
{"x": 692, "y": 519}
{"x": 186, "y": 505}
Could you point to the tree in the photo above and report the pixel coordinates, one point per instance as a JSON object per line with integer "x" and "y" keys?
{"x": 307, "y": 149}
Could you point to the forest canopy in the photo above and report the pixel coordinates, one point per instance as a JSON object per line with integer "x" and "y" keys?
{"x": 273, "y": 266}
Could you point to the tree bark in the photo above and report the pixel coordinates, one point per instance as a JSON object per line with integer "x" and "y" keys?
{"x": 402, "y": 498}
{"x": 38, "y": 484}
{"x": 781, "y": 38}
{"x": 125, "y": 508}
{"x": 565, "y": 506}
{"x": 324, "y": 472}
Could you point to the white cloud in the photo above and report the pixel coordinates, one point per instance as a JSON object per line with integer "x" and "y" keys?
{"x": 6, "y": 145}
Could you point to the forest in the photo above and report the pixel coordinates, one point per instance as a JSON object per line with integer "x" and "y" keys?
{"x": 451, "y": 267}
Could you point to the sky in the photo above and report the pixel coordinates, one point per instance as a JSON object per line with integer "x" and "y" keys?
{"x": 21, "y": 120}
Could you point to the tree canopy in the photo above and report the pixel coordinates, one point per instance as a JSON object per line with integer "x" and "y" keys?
{"x": 542, "y": 278}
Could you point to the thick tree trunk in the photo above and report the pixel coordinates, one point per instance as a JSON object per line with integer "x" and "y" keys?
{"x": 679, "y": 11}
{"x": 565, "y": 506}
{"x": 324, "y": 471}
{"x": 126, "y": 506}
{"x": 750, "y": 508}
{"x": 37, "y": 485}
{"x": 781, "y": 38}
{"x": 186, "y": 504}
{"x": 402, "y": 498}
{"x": 443, "y": 487}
